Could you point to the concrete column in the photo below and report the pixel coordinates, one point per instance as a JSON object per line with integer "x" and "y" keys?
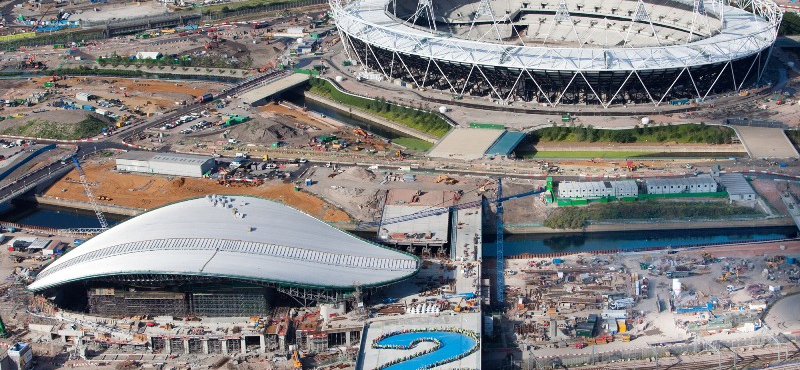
{"x": 224, "y": 346}
{"x": 262, "y": 343}
{"x": 186, "y": 346}
{"x": 347, "y": 338}
{"x": 282, "y": 342}
{"x": 205, "y": 346}
{"x": 168, "y": 345}
{"x": 244, "y": 347}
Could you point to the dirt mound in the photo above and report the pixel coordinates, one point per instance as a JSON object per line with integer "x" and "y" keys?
{"x": 178, "y": 183}
{"x": 357, "y": 174}
{"x": 268, "y": 132}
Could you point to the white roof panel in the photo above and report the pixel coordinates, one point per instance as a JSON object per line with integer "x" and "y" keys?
{"x": 269, "y": 242}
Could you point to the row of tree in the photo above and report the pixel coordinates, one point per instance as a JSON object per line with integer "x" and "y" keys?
{"x": 688, "y": 133}
{"x": 576, "y": 217}
{"x": 419, "y": 118}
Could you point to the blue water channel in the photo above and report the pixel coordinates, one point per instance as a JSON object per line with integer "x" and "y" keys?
{"x": 453, "y": 344}
{"x": 580, "y": 242}
{"x": 54, "y": 217}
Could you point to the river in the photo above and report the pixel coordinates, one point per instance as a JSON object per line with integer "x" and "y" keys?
{"x": 514, "y": 244}
{"x": 55, "y": 217}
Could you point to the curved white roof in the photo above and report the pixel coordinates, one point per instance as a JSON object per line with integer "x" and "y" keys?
{"x": 743, "y": 34}
{"x": 237, "y": 237}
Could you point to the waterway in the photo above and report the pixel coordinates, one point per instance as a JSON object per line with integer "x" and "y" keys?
{"x": 381, "y": 131}
{"x": 516, "y": 244}
{"x": 54, "y": 217}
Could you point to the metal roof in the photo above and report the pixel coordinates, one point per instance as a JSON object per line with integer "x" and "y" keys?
{"x": 506, "y": 143}
{"x": 179, "y": 158}
{"x": 742, "y": 35}
{"x": 736, "y": 184}
{"x": 237, "y": 237}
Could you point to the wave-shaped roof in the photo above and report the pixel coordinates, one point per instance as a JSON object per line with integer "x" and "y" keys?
{"x": 236, "y": 237}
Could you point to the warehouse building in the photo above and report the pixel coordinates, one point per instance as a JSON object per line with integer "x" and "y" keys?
{"x": 737, "y": 187}
{"x": 598, "y": 189}
{"x": 165, "y": 164}
{"x": 681, "y": 185}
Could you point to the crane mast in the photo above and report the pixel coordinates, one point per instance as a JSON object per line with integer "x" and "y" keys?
{"x": 95, "y": 206}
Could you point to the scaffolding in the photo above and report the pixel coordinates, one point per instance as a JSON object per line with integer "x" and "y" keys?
{"x": 215, "y": 346}
{"x": 158, "y": 344}
{"x": 229, "y": 304}
{"x": 195, "y": 345}
{"x": 234, "y": 345}
{"x": 176, "y": 345}
{"x": 115, "y": 303}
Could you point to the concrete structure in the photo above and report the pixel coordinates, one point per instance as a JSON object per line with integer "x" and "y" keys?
{"x": 281, "y": 83}
{"x": 588, "y": 52}
{"x": 598, "y": 189}
{"x": 506, "y": 144}
{"x": 423, "y": 231}
{"x": 209, "y": 253}
{"x": 737, "y": 187}
{"x": 465, "y": 143}
{"x": 681, "y": 185}
{"x": 21, "y": 355}
{"x": 766, "y": 142}
{"x": 165, "y": 163}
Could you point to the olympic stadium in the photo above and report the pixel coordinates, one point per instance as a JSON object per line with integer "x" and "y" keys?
{"x": 217, "y": 256}
{"x": 568, "y": 52}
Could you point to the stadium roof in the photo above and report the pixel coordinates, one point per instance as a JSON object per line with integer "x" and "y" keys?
{"x": 743, "y": 34}
{"x": 235, "y": 237}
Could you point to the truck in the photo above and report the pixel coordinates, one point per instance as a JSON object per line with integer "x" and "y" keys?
{"x": 207, "y": 97}
{"x": 677, "y": 274}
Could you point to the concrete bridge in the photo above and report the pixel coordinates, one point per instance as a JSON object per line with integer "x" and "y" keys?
{"x": 259, "y": 95}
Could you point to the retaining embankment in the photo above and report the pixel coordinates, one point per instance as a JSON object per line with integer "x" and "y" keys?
{"x": 105, "y": 208}
{"x": 370, "y": 117}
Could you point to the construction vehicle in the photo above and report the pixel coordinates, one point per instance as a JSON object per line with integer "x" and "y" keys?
{"x": 398, "y": 154}
{"x": 446, "y": 179}
{"x": 95, "y": 207}
{"x": 630, "y": 166}
{"x": 266, "y": 67}
{"x": 296, "y": 360}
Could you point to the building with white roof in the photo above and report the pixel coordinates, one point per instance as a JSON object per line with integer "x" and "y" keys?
{"x": 588, "y": 52}
{"x": 165, "y": 163}
{"x": 598, "y": 189}
{"x": 211, "y": 250}
{"x": 737, "y": 187}
{"x": 702, "y": 184}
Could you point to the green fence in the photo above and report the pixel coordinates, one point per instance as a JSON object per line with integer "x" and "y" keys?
{"x": 491, "y": 126}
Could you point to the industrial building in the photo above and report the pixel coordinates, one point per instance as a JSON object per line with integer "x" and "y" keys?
{"x": 737, "y": 187}
{"x": 165, "y": 163}
{"x": 590, "y": 52}
{"x": 681, "y": 185}
{"x": 598, "y": 189}
{"x": 217, "y": 256}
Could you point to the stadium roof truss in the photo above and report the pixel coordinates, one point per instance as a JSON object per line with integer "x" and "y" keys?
{"x": 727, "y": 43}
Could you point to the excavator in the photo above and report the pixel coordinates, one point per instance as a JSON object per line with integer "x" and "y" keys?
{"x": 446, "y": 179}
{"x": 296, "y": 360}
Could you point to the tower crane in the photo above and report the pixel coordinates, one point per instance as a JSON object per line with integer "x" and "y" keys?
{"x": 95, "y": 207}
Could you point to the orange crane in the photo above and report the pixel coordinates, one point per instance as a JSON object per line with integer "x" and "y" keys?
{"x": 296, "y": 360}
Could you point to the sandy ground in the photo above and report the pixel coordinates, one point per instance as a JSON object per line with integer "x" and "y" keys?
{"x": 148, "y": 192}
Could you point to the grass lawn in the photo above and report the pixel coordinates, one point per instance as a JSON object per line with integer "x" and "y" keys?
{"x": 582, "y": 154}
{"x": 413, "y": 143}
